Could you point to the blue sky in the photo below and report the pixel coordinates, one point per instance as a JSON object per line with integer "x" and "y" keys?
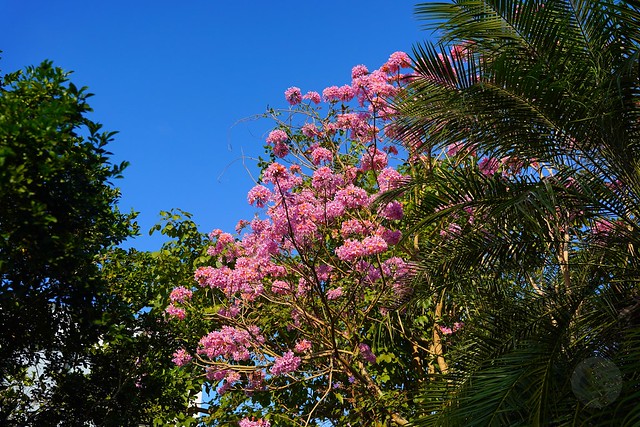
{"x": 180, "y": 81}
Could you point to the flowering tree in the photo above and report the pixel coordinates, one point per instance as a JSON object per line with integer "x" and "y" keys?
{"x": 307, "y": 297}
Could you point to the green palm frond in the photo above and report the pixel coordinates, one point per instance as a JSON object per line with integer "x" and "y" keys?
{"x": 545, "y": 263}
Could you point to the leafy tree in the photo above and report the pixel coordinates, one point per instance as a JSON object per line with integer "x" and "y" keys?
{"x": 57, "y": 214}
{"x": 132, "y": 379}
{"x": 533, "y": 108}
{"x": 306, "y": 302}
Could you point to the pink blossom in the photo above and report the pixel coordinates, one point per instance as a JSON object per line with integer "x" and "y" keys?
{"x": 312, "y": 96}
{"x": 229, "y": 311}
{"x": 176, "y": 312}
{"x": 281, "y": 149}
{"x": 373, "y": 245}
{"x": 280, "y": 287}
{"x": 350, "y": 250}
{"x": 334, "y": 293}
{"x": 229, "y": 342}
{"x": 453, "y": 149}
{"x": 246, "y": 422}
{"x": 223, "y": 241}
{"x": 180, "y": 294}
{"x": 277, "y": 135}
{"x": 366, "y": 353}
{"x": 602, "y": 227}
{"x": 331, "y": 94}
{"x": 353, "y": 197}
{"x": 276, "y": 172}
{"x": 446, "y": 330}
{"x": 389, "y": 179}
{"x": 310, "y": 130}
{"x": 302, "y": 346}
{"x": 458, "y": 51}
{"x": 489, "y": 166}
{"x": 293, "y": 95}
{"x": 373, "y": 159}
{"x": 452, "y": 230}
{"x": 259, "y": 195}
{"x": 457, "y": 326}
{"x": 398, "y": 60}
{"x": 392, "y": 237}
{"x": 325, "y": 181}
{"x": 334, "y": 209}
{"x": 346, "y": 93}
{"x": 323, "y": 272}
{"x": 355, "y": 227}
{"x": 393, "y": 211}
{"x": 359, "y": 71}
{"x": 181, "y": 357}
{"x": 320, "y": 155}
{"x": 285, "y": 364}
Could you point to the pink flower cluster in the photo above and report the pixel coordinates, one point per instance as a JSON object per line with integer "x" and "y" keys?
{"x": 176, "y": 312}
{"x": 181, "y": 357}
{"x": 246, "y": 422}
{"x": 180, "y": 294}
{"x": 302, "y": 346}
{"x": 366, "y": 353}
{"x": 230, "y": 343}
{"x": 286, "y": 364}
{"x": 448, "y": 331}
{"x": 318, "y": 233}
{"x": 293, "y": 95}
{"x": 334, "y": 293}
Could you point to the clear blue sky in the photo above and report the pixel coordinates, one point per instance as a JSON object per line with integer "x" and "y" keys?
{"x": 174, "y": 78}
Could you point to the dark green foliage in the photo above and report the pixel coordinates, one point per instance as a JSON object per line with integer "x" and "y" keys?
{"x": 57, "y": 213}
{"x": 554, "y": 83}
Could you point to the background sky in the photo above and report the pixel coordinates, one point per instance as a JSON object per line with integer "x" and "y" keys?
{"x": 181, "y": 80}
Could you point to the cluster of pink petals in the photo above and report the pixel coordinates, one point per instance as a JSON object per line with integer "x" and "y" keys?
{"x": 180, "y": 294}
{"x": 602, "y": 227}
{"x": 231, "y": 377}
{"x": 389, "y": 179}
{"x": 286, "y": 364}
{"x": 446, "y": 330}
{"x": 373, "y": 159}
{"x": 302, "y": 346}
{"x": 393, "y": 211}
{"x": 334, "y": 293}
{"x": 222, "y": 242}
{"x": 366, "y": 353}
{"x": 344, "y": 93}
{"x": 353, "y": 197}
{"x": 293, "y": 95}
{"x": 176, "y": 312}
{"x": 321, "y": 154}
{"x": 313, "y": 97}
{"x": 488, "y": 166}
{"x": 359, "y": 71}
{"x": 259, "y": 195}
{"x": 277, "y": 135}
{"x": 398, "y": 60}
{"x": 246, "y": 422}
{"x": 280, "y": 287}
{"x": 230, "y": 343}
{"x": 326, "y": 181}
{"x": 281, "y": 177}
{"x": 310, "y": 130}
{"x": 181, "y": 357}
{"x": 356, "y": 227}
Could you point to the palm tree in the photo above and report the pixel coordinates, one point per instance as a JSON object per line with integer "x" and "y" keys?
{"x": 542, "y": 102}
